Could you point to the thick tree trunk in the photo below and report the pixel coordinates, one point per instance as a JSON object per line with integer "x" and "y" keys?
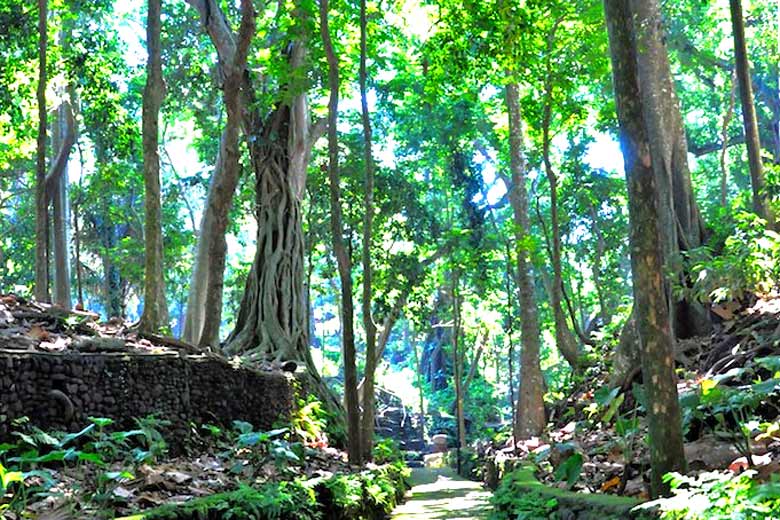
{"x": 629, "y": 31}
{"x": 155, "y": 313}
{"x": 750, "y": 122}
{"x": 530, "y": 417}
{"x": 339, "y": 247}
{"x": 367, "y": 420}
{"x": 680, "y": 224}
{"x": 41, "y": 202}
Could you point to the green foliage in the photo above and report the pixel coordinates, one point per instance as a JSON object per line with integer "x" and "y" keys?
{"x": 719, "y": 495}
{"x": 249, "y": 450}
{"x": 386, "y": 451}
{"x": 282, "y": 500}
{"x": 368, "y": 495}
{"x": 89, "y": 451}
{"x": 749, "y": 263}
{"x": 732, "y": 409}
{"x": 570, "y": 469}
{"x": 309, "y": 421}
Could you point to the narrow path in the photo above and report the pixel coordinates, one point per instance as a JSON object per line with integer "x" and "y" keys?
{"x": 439, "y": 494}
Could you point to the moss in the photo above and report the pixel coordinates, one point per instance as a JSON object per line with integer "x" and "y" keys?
{"x": 519, "y": 487}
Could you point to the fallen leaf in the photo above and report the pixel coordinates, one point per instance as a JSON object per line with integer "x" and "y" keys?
{"x": 38, "y": 332}
{"x": 609, "y": 484}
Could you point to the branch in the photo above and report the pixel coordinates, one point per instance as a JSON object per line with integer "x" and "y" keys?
{"x": 715, "y": 146}
{"x": 246, "y": 31}
{"x": 216, "y": 25}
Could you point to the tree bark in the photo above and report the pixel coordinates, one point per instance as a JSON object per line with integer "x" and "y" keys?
{"x": 41, "y": 202}
{"x": 680, "y": 221}
{"x": 530, "y": 416}
{"x": 750, "y": 122}
{"x": 63, "y": 138}
{"x": 343, "y": 259}
{"x": 225, "y": 186}
{"x": 367, "y": 420}
{"x": 598, "y": 256}
{"x": 630, "y": 30}
{"x": 724, "y": 167}
{"x": 218, "y": 201}
{"x": 563, "y": 337}
{"x": 457, "y": 363}
{"x": 155, "y": 313}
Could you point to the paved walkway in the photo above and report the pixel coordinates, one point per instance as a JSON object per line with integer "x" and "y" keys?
{"x": 440, "y": 494}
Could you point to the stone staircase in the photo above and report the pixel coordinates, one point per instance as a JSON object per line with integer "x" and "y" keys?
{"x": 395, "y": 421}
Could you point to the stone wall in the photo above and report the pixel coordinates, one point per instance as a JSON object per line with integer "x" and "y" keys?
{"x": 60, "y": 391}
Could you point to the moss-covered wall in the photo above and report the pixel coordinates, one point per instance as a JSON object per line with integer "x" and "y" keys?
{"x": 60, "y": 391}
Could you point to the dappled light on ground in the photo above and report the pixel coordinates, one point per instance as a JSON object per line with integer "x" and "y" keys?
{"x": 441, "y": 494}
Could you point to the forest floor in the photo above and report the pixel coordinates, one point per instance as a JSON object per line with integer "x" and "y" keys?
{"x": 728, "y": 385}
{"x": 439, "y": 494}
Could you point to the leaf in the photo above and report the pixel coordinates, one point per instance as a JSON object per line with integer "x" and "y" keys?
{"x": 101, "y": 422}
{"x": 70, "y": 437}
{"x": 613, "y": 408}
{"x": 605, "y": 395}
{"x": 91, "y": 457}
{"x": 242, "y": 426}
{"x": 570, "y": 469}
{"x": 609, "y": 484}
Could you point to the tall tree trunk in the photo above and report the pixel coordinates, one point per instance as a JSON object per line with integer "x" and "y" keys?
{"x": 760, "y": 199}
{"x": 628, "y": 32}
{"x": 530, "y": 417}
{"x": 724, "y": 167}
{"x": 63, "y": 138}
{"x": 41, "y": 202}
{"x": 598, "y": 256}
{"x": 680, "y": 223}
{"x": 367, "y": 421}
{"x": 77, "y": 257}
{"x": 218, "y": 201}
{"x": 155, "y": 313}
{"x": 230, "y": 160}
{"x": 563, "y": 337}
{"x": 339, "y": 247}
{"x": 418, "y": 376}
{"x": 457, "y": 364}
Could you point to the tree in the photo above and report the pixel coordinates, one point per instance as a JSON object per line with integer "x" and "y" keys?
{"x": 340, "y": 250}
{"x": 155, "y": 313}
{"x": 367, "y": 420}
{"x": 563, "y": 336}
{"x": 41, "y": 201}
{"x": 530, "y": 416}
{"x": 629, "y": 31}
{"x": 225, "y": 185}
{"x": 271, "y": 324}
{"x": 750, "y": 122}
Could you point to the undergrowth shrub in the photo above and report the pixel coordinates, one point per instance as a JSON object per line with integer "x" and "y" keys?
{"x": 719, "y": 495}
{"x": 368, "y": 495}
{"x": 746, "y": 262}
{"x": 274, "y": 501}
